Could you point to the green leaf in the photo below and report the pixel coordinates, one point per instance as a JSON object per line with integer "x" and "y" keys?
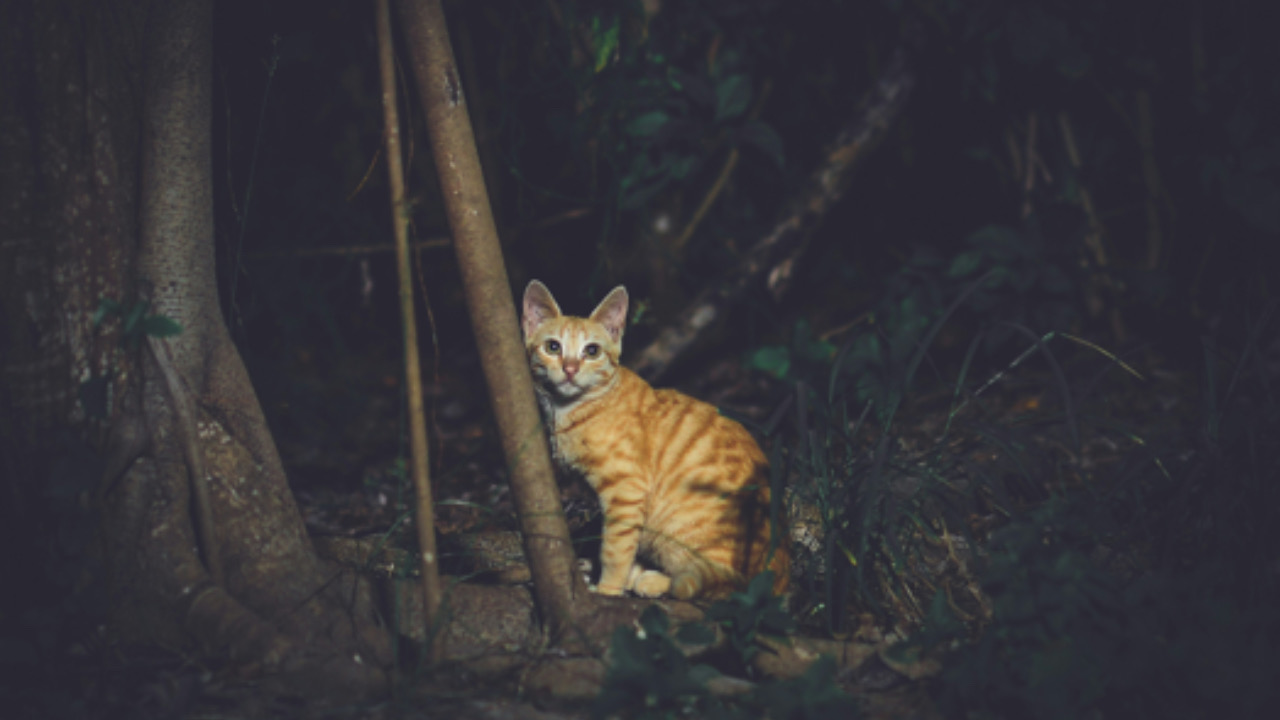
{"x": 965, "y": 263}
{"x": 679, "y": 166}
{"x": 773, "y": 359}
{"x": 106, "y": 306}
{"x": 999, "y": 276}
{"x": 702, "y": 673}
{"x": 761, "y": 586}
{"x": 647, "y": 124}
{"x": 733, "y": 94}
{"x": 134, "y": 316}
{"x": 160, "y": 326}
{"x": 654, "y": 621}
{"x": 606, "y": 42}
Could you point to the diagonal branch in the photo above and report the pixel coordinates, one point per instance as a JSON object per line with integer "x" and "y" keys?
{"x": 776, "y": 254}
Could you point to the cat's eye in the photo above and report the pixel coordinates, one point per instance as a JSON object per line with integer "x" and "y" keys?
{"x": 553, "y": 347}
{"x": 591, "y": 350}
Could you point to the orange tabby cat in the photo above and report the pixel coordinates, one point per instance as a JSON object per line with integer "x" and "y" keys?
{"x": 680, "y": 485}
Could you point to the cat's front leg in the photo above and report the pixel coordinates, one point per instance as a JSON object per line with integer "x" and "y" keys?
{"x": 618, "y": 547}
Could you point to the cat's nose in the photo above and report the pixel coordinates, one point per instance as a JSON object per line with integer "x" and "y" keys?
{"x": 571, "y": 369}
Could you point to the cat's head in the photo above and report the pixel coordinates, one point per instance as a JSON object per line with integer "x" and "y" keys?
{"x": 572, "y": 356}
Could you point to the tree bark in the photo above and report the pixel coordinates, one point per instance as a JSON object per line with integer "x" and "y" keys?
{"x": 493, "y": 316}
{"x": 104, "y": 118}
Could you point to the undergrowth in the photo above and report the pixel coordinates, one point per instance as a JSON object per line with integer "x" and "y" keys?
{"x": 1066, "y": 558}
{"x": 1151, "y": 595}
{"x": 650, "y": 676}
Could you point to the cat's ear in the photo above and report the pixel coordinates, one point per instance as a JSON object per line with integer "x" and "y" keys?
{"x": 612, "y": 313}
{"x": 539, "y": 307}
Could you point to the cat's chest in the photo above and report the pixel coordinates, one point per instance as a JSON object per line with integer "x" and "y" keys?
{"x": 571, "y": 448}
{"x": 579, "y": 445}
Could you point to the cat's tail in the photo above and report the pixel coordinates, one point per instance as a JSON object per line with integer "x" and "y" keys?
{"x": 780, "y": 564}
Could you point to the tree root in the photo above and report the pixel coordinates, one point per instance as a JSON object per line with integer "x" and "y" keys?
{"x": 493, "y": 630}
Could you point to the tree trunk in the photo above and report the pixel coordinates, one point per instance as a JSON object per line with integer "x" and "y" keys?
{"x": 104, "y": 118}
{"x": 493, "y": 315}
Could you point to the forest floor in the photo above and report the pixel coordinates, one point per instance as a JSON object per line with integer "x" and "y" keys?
{"x": 340, "y": 431}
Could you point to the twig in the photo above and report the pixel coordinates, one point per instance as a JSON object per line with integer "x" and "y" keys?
{"x": 722, "y": 179}
{"x": 368, "y": 173}
{"x": 730, "y": 163}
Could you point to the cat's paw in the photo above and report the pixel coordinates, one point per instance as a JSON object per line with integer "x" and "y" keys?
{"x": 610, "y": 590}
{"x": 651, "y": 584}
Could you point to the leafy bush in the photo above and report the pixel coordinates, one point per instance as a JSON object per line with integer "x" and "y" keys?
{"x": 650, "y": 677}
{"x": 744, "y": 616}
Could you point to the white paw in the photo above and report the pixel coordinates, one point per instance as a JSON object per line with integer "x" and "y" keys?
{"x": 605, "y": 590}
{"x": 651, "y": 584}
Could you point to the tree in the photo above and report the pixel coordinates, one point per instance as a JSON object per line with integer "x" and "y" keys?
{"x": 489, "y": 300}
{"x": 105, "y": 138}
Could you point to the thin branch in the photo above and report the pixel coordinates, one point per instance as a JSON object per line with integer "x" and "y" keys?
{"x": 425, "y": 511}
{"x": 349, "y": 250}
{"x": 722, "y": 179}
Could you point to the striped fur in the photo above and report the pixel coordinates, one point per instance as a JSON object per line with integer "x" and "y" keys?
{"x": 681, "y": 486}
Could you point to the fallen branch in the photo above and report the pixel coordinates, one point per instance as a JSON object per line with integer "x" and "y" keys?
{"x": 776, "y": 254}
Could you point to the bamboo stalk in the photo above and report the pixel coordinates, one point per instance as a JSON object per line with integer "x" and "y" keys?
{"x": 425, "y": 511}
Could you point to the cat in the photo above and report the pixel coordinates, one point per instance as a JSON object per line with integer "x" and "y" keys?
{"x": 680, "y": 485}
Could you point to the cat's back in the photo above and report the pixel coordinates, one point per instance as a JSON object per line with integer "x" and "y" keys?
{"x": 669, "y": 430}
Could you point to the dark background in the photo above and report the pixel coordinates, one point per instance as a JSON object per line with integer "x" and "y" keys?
{"x": 299, "y": 125}
{"x": 578, "y": 182}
